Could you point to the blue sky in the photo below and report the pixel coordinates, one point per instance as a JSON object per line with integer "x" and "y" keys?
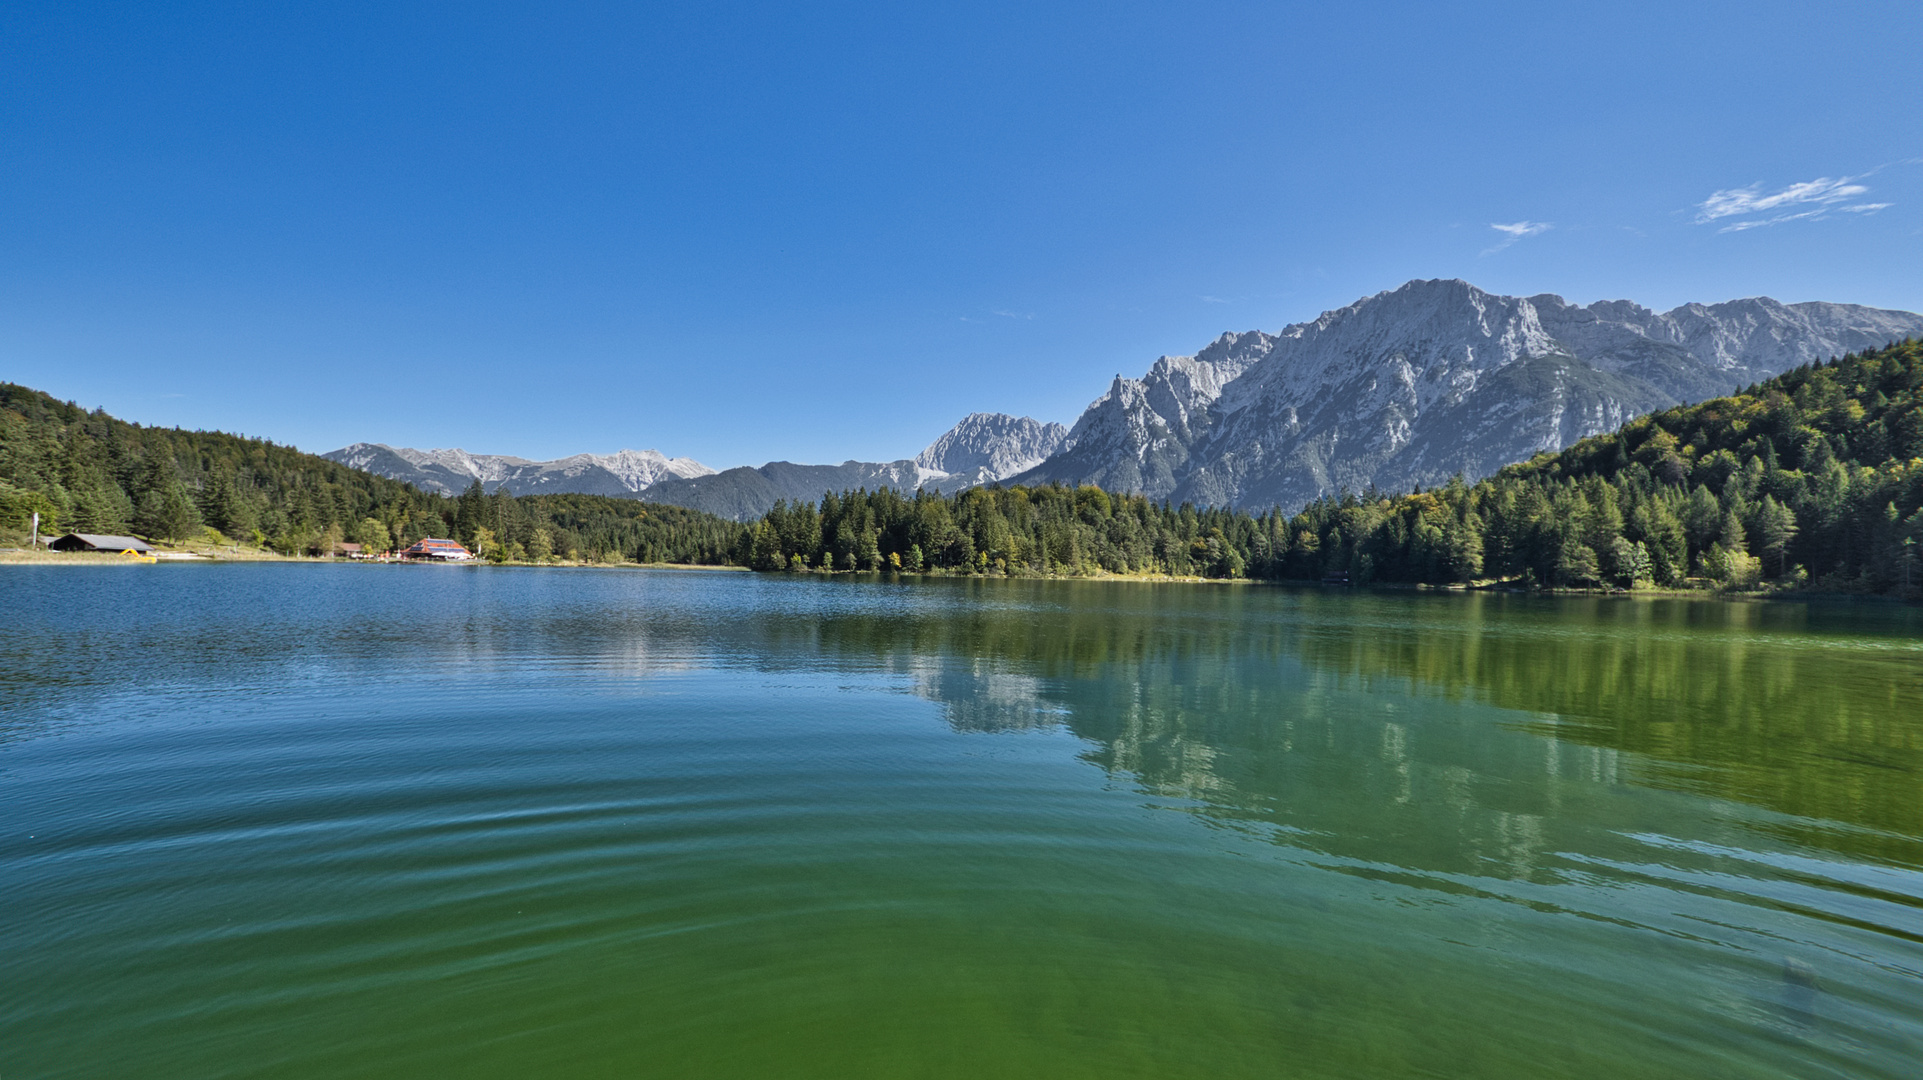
{"x": 827, "y": 231}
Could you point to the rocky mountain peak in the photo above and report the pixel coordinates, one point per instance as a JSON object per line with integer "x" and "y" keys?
{"x": 1407, "y": 386}
{"x": 1412, "y": 385}
{"x": 992, "y": 446}
{"x": 451, "y": 471}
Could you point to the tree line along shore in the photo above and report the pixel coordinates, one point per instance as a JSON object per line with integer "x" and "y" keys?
{"x": 1812, "y": 480}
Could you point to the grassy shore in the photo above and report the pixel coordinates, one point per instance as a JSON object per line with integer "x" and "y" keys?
{"x": 23, "y": 557}
{"x": 200, "y": 553}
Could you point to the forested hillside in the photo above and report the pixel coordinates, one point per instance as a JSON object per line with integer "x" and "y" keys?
{"x": 1414, "y": 385}
{"x": 1811, "y": 478}
{"x": 1016, "y": 530}
{"x": 1815, "y": 476}
{"x": 89, "y": 472}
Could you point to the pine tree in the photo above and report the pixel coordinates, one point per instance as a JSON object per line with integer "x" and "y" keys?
{"x": 1731, "y": 536}
{"x": 165, "y": 511}
{"x": 1776, "y": 526}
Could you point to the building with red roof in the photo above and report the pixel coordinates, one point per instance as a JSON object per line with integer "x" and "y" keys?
{"x": 443, "y": 550}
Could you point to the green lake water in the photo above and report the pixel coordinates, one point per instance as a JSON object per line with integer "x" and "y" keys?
{"x": 376, "y": 821}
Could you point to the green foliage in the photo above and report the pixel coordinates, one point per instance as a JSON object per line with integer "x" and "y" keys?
{"x": 17, "y": 507}
{"x": 1006, "y": 531}
{"x": 101, "y": 474}
{"x": 599, "y": 526}
{"x": 373, "y": 535}
{"x": 1820, "y": 469}
{"x": 88, "y": 472}
{"x": 1813, "y": 477}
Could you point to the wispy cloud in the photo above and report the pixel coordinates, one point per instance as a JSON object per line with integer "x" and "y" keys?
{"x": 1515, "y": 231}
{"x": 1211, "y": 300}
{"x": 1812, "y": 200}
{"x": 1015, "y": 314}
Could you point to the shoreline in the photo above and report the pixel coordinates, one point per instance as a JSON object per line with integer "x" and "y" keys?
{"x": 20, "y": 557}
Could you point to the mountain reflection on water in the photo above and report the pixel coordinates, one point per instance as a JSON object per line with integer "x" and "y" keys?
{"x": 398, "y": 821}
{"x": 1264, "y": 705}
{"x": 1259, "y": 703}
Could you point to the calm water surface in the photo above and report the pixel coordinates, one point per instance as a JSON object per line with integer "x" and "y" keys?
{"x": 297, "y": 821}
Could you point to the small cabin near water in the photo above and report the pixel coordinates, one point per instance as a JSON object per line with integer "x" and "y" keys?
{"x": 100, "y": 542}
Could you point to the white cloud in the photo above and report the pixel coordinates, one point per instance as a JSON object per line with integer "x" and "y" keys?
{"x": 1014, "y": 314}
{"x": 1754, "y": 206}
{"x": 1515, "y": 231}
{"x": 1211, "y": 300}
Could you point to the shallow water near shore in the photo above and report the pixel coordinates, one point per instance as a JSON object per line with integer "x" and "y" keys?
{"x": 386, "y": 821}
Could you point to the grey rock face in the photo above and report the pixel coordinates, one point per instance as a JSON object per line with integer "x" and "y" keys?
{"x": 1436, "y": 378}
{"x": 1407, "y": 387}
{"x": 744, "y": 493}
{"x": 982, "y": 449}
{"x": 449, "y": 472}
{"x": 986, "y": 447}
{"x": 1138, "y": 436}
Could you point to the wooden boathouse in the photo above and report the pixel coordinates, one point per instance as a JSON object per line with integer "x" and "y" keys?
{"x": 100, "y": 542}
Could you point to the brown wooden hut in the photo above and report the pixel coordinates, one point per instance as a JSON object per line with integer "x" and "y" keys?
{"x": 100, "y": 542}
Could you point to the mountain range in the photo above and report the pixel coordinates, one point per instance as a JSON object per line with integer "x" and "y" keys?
{"x": 983, "y": 448}
{"x": 1415, "y": 385}
{"x": 451, "y": 472}
{"x": 1407, "y": 387}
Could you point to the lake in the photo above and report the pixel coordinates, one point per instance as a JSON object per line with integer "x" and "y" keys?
{"x": 380, "y": 821}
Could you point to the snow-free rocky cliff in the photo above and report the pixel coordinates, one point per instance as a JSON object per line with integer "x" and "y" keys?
{"x": 1435, "y": 378}
{"x": 1406, "y": 387}
{"x": 983, "y": 448}
{"x": 986, "y": 447}
{"x": 625, "y": 472}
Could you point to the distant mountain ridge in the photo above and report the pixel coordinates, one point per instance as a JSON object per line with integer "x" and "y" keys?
{"x": 450, "y": 472}
{"x": 1407, "y": 387}
{"x": 981, "y": 449}
{"x": 746, "y": 493}
{"x": 986, "y": 447}
{"x": 1413, "y": 385}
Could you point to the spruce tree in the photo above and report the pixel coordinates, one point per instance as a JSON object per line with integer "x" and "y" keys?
{"x": 1776, "y": 525}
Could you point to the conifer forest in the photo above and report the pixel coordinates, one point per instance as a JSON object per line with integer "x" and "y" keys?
{"x": 1812, "y": 479}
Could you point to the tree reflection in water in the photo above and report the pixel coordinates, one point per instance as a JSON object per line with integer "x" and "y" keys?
{"x": 1451, "y": 729}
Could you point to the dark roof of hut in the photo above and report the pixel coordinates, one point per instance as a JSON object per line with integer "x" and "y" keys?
{"x": 102, "y": 542}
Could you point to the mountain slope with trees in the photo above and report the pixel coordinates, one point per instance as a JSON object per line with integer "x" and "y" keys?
{"x": 1434, "y": 379}
{"x": 89, "y": 472}
{"x": 1812, "y": 477}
